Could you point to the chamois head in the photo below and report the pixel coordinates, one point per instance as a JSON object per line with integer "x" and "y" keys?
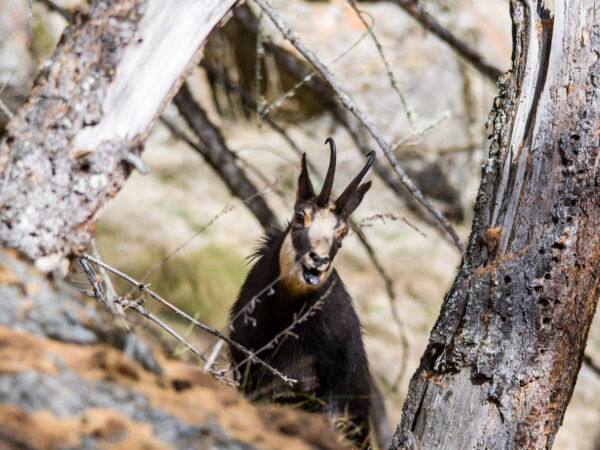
{"x": 318, "y": 227}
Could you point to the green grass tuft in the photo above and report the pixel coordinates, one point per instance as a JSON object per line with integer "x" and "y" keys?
{"x": 204, "y": 283}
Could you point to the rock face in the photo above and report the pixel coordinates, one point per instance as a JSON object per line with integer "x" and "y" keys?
{"x": 70, "y": 379}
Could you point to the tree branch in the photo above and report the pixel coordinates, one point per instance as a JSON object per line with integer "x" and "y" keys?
{"x": 52, "y": 6}
{"x": 70, "y": 149}
{"x": 462, "y": 48}
{"x": 248, "y": 101}
{"x": 221, "y": 159}
{"x": 143, "y": 287}
{"x": 293, "y": 38}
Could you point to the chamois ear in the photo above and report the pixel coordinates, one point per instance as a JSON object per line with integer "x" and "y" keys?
{"x": 355, "y": 199}
{"x": 305, "y": 188}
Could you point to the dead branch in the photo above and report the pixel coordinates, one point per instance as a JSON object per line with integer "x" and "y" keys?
{"x": 226, "y": 209}
{"x": 221, "y": 159}
{"x": 110, "y": 301}
{"x": 288, "y": 331}
{"x": 136, "y": 306}
{"x": 589, "y": 362}
{"x": 7, "y": 112}
{"x": 249, "y": 102}
{"x": 388, "y": 69}
{"x": 88, "y": 123}
{"x": 52, "y": 6}
{"x": 463, "y": 49}
{"x": 324, "y": 93}
{"x": 143, "y": 287}
{"x": 293, "y": 38}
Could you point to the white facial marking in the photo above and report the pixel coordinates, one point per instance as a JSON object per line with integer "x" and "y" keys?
{"x": 321, "y": 231}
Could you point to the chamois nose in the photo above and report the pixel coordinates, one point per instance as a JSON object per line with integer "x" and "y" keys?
{"x": 318, "y": 260}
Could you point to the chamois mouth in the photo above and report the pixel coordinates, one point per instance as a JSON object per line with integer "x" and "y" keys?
{"x": 311, "y": 275}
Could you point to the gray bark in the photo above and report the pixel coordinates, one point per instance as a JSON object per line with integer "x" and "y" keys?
{"x": 503, "y": 357}
{"x": 72, "y": 146}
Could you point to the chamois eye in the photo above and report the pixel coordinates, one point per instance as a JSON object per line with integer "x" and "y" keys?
{"x": 299, "y": 220}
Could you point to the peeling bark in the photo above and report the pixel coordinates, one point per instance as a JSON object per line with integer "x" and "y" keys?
{"x": 503, "y": 357}
{"x": 72, "y": 146}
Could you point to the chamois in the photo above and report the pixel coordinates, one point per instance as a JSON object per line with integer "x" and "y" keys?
{"x": 292, "y": 273}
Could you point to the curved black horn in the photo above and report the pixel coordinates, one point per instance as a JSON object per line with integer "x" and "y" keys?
{"x": 328, "y": 183}
{"x": 345, "y": 196}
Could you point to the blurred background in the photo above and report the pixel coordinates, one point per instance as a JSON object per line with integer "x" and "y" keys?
{"x": 251, "y": 92}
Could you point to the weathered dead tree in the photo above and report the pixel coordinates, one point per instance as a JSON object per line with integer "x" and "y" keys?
{"x": 71, "y": 147}
{"x": 503, "y": 357}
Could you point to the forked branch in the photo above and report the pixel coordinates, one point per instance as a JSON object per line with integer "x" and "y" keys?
{"x": 143, "y": 287}
{"x": 310, "y": 56}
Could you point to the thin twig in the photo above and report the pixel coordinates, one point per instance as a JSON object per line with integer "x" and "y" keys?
{"x": 143, "y": 287}
{"x": 224, "y": 211}
{"x": 389, "y": 288}
{"x": 287, "y": 331}
{"x": 251, "y": 304}
{"x": 249, "y": 102}
{"x": 130, "y": 304}
{"x": 388, "y": 68}
{"x": 216, "y": 152}
{"x": 428, "y": 22}
{"x": 213, "y": 356}
{"x": 419, "y": 133}
{"x": 588, "y": 361}
{"x": 97, "y": 290}
{"x": 293, "y": 38}
{"x": 110, "y": 289}
{"x": 389, "y": 216}
{"x": 180, "y": 134}
{"x": 7, "y": 112}
{"x": 274, "y": 104}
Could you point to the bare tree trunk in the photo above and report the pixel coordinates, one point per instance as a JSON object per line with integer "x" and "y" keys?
{"x": 72, "y": 146}
{"x": 503, "y": 357}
